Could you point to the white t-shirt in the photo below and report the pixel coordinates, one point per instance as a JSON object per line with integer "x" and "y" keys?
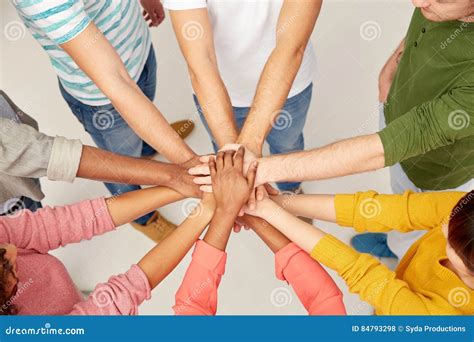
{"x": 244, "y": 37}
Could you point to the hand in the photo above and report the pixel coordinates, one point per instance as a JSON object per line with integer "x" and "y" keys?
{"x": 230, "y": 187}
{"x": 261, "y": 209}
{"x": 153, "y": 12}
{"x": 202, "y": 172}
{"x": 182, "y": 182}
{"x": 386, "y": 77}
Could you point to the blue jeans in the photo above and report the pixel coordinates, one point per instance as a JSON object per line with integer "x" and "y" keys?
{"x": 287, "y": 132}
{"x": 111, "y": 132}
{"x": 15, "y": 204}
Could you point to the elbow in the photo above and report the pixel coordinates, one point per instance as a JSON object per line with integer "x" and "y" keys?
{"x": 198, "y": 69}
{"x": 119, "y": 83}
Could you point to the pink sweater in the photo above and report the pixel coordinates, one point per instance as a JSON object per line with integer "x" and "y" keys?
{"x": 314, "y": 287}
{"x": 45, "y": 287}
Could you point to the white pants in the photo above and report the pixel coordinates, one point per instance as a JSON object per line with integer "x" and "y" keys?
{"x": 398, "y": 242}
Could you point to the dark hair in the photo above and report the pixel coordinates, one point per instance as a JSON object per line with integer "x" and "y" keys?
{"x": 461, "y": 230}
{"x": 6, "y": 273}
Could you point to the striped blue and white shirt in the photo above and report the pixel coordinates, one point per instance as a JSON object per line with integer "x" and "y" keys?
{"x": 55, "y": 22}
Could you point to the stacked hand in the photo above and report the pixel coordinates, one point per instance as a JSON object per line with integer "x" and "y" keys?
{"x": 231, "y": 187}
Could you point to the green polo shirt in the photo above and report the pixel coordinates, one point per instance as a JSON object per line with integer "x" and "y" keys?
{"x": 430, "y": 108}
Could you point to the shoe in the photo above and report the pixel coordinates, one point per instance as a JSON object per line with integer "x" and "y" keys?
{"x": 372, "y": 243}
{"x": 183, "y": 127}
{"x": 298, "y": 191}
{"x": 157, "y": 228}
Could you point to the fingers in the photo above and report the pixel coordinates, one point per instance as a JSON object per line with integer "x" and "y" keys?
{"x": 202, "y": 169}
{"x": 228, "y": 158}
{"x": 239, "y": 158}
{"x": 212, "y": 171}
{"x": 251, "y": 201}
{"x": 205, "y": 159}
{"x": 237, "y": 228}
{"x": 271, "y": 190}
{"x": 251, "y": 174}
{"x": 206, "y": 188}
{"x": 204, "y": 180}
{"x": 230, "y": 147}
{"x": 220, "y": 161}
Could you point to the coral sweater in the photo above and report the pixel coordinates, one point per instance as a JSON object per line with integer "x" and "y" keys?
{"x": 45, "y": 286}
{"x": 421, "y": 285}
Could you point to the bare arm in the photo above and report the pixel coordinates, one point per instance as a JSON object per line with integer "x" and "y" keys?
{"x": 202, "y": 65}
{"x": 342, "y": 158}
{"x": 388, "y": 72}
{"x": 318, "y": 207}
{"x": 106, "y": 166}
{"x": 163, "y": 258}
{"x": 131, "y": 205}
{"x": 295, "y": 25}
{"x": 98, "y": 59}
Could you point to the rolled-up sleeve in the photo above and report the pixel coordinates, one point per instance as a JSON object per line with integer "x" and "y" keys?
{"x": 65, "y": 159}
{"x": 431, "y": 125}
{"x": 25, "y": 152}
{"x": 121, "y": 295}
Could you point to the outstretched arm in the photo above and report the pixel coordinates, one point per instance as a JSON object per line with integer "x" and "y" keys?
{"x": 104, "y": 66}
{"x": 294, "y": 27}
{"x": 194, "y": 33}
{"x": 313, "y": 285}
{"x": 123, "y": 294}
{"x": 50, "y": 228}
{"x": 364, "y": 274}
{"x": 197, "y": 294}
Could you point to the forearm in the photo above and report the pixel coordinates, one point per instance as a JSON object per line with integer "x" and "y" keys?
{"x": 163, "y": 258}
{"x": 345, "y": 157}
{"x": 124, "y": 208}
{"x": 101, "y": 165}
{"x": 271, "y": 236}
{"x": 301, "y": 233}
{"x": 104, "y": 67}
{"x": 220, "y": 228}
{"x": 215, "y": 103}
{"x": 319, "y": 207}
{"x": 272, "y": 91}
{"x": 150, "y": 125}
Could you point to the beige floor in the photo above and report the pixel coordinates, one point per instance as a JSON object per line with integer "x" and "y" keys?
{"x": 352, "y": 39}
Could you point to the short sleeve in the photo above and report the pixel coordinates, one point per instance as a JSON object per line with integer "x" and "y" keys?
{"x": 60, "y": 20}
{"x": 184, "y": 4}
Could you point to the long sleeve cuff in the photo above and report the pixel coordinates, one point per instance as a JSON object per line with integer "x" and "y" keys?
{"x": 344, "y": 205}
{"x": 209, "y": 257}
{"x": 334, "y": 253}
{"x": 314, "y": 287}
{"x": 197, "y": 294}
{"x": 65, "y": 159}
{"x": 121, "y": 295}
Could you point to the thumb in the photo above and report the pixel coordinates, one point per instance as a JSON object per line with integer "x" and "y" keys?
{"x": 251, "y": 174}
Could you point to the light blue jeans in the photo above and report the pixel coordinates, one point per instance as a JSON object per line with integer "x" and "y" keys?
{"x": 399, "y": 243}
{"x": 111, "y": 132}
{"x": 287, "y": 132}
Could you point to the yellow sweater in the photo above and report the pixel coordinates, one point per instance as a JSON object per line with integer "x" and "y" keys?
{"x": 420, "y": 285}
